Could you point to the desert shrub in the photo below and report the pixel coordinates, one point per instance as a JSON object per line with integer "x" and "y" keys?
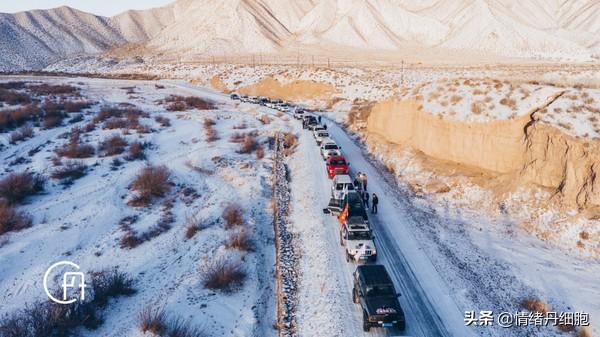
{"x": 136, "y": 151}
{"x": 260, "y": 152}
{"x": 13, "y": 85}
{"x": 181, "y": 103}
{"x": 211, "y": 133}
{"x": 264, "y": 119}
{"x": 163, "y": 121}
{"x": 249, "y": 144}
{"x": 15, "y": 187}
{"x": 222, "y": 274}
{"x": 129, "y": 112}
{"x": 233, "y": 215}
{"x": 152, "y": 182}
{"x": 52, "y": 89}
{"x": 477, "y": 108}
{"x": 111, "y": 283}
{"x": 53, "y": 114}
{"x": 69, "y": 172}
{"x": 10, "y": 119}
{"x": 536, "y": 305}
{"x": 113, "y": 145}
{"x": 11, "y": 219}
{"x": 115, "y": 123}
{"x": 77, "y": 106}
{"x": 21, "y": 134}
{"x": 74, "y": 149}
{"x": 43, "y": 319}
{"x": 152, "y": 320}
{"x": 240, "y": 240}
{"x": 237, "y": 137}
{"x": 12, "y": 97}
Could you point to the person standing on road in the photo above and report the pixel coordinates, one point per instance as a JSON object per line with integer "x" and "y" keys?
{"x": 366, "y": 199}
{"x": 319, "y": 119}
{"x": 375, "y": 202}
{"x": 364, "y": 181}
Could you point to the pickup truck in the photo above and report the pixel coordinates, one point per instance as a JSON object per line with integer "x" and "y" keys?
{"x": 336, "y": 165}
{"x": 357, "y": 238}
{"x": 374, "y": 291}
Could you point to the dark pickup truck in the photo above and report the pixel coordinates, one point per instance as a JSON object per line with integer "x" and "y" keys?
{"x": 374, "y": 291}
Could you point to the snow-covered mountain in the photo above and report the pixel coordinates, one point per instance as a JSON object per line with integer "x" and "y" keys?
{"x": 523, "y": 28}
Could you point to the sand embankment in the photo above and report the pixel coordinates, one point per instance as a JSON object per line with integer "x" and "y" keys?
{"x": 532, "y": 152}
{"x": 296, "y": 90}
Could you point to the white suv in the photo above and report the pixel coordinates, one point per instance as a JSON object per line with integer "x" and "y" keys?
{"x": 358, "y": 240}
{"x": 329, "y": 148}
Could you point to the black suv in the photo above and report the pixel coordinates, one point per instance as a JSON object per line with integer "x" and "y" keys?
{"x": 374, "y": 291}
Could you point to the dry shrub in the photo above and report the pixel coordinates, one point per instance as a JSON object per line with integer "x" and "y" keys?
{"x": 584, "y": 235}
{"x": 136, "y": 151}
{"x": 74, "y": 149}
{"x": 477, "y": 107}
{"x": 152, "y": 320}
{"x": 45, "y": 89}
{"x": 193, "y": 225}
{"x": 233, "y": 215}
{"x": 260, "y": 152}
{"x": 77, "y": 106}
{"x": 240, "y": 240}
{"x": 211, "y": 133}
{"x": 290, "y": 143}
{"x": 249, "y": 144}
{"x": 536, "y": 305}
{"x": 12, "y": 97}
{"x": 11, "y": 219}
{"x": 181, "y": 103}
{"x": 113, "y": 145}
{"x": 155, "y": 321}
{"x": 264, "y": 119}
{"x": 21, "y": 134}
{"x": 163, "y": 121}
{"x": 69, "y": 172}
{"x": 15, "y": 187}
{"x": 222, "y": 274}
{"x": 152, "y": 182}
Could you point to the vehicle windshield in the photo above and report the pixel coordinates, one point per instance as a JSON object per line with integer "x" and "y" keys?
{"x": 340, "y": 187}
{"x": 380, "y": 290}
{"x": 331, "y": 147}
{"x": 323, "y": 134}
{"x": 337, "y": 162}
{"x": 359, "y": 235}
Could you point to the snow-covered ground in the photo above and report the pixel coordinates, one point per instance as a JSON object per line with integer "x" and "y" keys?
{"x": 81, "y": 222}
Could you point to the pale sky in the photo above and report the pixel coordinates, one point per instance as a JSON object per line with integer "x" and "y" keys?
{"x": 101, "y": 7}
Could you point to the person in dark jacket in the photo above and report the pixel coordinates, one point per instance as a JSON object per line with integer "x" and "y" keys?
{"x": 319, "y": 119}
{"x": 374, "y": 202}
{"x": 366, "y": 199}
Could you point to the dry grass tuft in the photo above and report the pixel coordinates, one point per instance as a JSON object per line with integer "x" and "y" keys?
{"x": 536, "y": 305}
{"x": 16, "y": 187}
{"x": 240, "y": 240}
{"x": 233, "y": 215}
{"x": 113, "y": 145}
{"x": 222, "y": 274}
{"x": 11, "y": 220}
{"x": 152, "y": 182}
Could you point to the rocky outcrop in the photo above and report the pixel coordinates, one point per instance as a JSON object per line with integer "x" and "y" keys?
{"x": 531, "y": 151}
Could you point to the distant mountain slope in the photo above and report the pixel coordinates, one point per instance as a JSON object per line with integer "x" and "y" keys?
{"x": 525, "y": 28}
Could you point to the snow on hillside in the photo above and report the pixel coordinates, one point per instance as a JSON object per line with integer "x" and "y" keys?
{"x": 188, "y": 28}
{"x": 84, "y": 220}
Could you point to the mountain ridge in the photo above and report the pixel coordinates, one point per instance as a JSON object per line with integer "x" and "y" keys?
{"x": 527, "y": 28}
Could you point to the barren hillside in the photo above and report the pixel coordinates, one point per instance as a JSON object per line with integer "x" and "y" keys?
{"x": 526, "y": 29}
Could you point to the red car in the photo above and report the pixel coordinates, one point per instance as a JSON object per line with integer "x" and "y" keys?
{"x": 337, "y": 165}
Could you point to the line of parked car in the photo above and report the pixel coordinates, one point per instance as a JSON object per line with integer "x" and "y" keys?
{"x": 373, "y": 288}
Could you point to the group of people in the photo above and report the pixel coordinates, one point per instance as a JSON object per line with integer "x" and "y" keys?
{"x": 361, "y": 182}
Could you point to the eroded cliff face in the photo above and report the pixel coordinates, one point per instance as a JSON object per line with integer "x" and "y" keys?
{"x": 567, "y": 164}
{"x": 524, "y": 148}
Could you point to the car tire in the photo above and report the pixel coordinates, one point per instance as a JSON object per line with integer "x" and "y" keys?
{"x": 341, "y": 240}
{"x": 366, "y": 325}
{"x": 347, "y": 257}
{"x": 354, "y": 297}
{"x": 401, "y": 326}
